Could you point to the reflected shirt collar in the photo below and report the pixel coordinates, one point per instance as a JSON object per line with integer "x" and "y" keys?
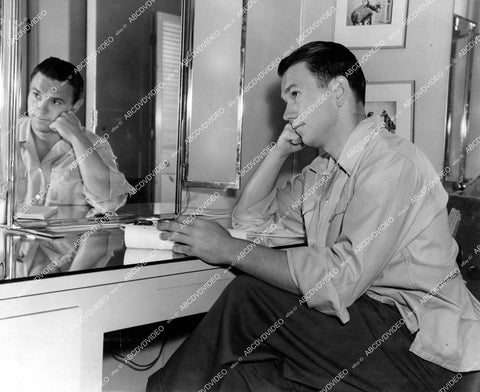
{"x": 23, "y": 130}
{"x": 25, "y": 136}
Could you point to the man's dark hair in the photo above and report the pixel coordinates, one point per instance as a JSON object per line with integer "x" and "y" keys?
{"x": 57, "y": 69}
{"x": 327, "y": 60}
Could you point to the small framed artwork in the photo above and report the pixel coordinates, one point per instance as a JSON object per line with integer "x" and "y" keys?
{"x": 393, "y": 102}
{"x": 362, "y": 24}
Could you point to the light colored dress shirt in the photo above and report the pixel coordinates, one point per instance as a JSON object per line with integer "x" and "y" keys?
{"x": 59, "y": 169}
{"x": 376, "y": 224}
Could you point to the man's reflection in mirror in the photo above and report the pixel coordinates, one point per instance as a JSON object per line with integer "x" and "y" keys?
{"x": 59, "y": 162}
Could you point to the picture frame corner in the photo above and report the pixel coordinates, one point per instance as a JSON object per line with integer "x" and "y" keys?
{"x": 399, "y": 92}
{"x": 370, "y": 37}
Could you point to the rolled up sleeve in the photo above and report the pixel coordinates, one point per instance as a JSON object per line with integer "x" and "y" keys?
{"x": 119, "y": 187}
{"x": 378, "y": 224}
{"x": 275, "y": 210}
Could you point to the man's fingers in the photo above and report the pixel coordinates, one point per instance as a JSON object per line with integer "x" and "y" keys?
{"x": 296, "y": 140}
{"x": 54, "y": 125}
{"x": 289, "y": 130}
{"x": 183, "y": 249}
{"x": 174, "y": 236}
{"x": 70, "y": 117}
{"x": 186, "y": 220}
{"x": 173, "y": 226}
{"x": 168, "y": 226}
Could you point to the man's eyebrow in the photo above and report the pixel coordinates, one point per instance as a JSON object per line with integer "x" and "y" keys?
{"x": 286, "y": 90}
{"x": 293, "y": 85}
{"x": 50, "y": 95}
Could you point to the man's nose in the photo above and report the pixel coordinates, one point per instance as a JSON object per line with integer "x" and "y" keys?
{"x": 41, "y": 106}
{"x": 290, "y": 113}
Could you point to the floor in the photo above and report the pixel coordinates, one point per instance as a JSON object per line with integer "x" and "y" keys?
{"x": 117, "y": 377}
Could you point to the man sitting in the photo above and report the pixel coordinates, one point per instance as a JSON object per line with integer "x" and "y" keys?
{"x": 59, "y": 162}
{"x": 374, "y": 301}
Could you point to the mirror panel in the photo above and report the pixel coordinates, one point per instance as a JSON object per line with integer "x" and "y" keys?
{"x": 11, "y": 32}
{"x": 213, "y": 133}
{"x": 131, "y": 66}
{"x": 3, "y": 135}
{"x": 137, "y": 93}
{"x": 140, "y": 74}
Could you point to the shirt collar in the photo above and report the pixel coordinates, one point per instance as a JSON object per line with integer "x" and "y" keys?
{"x": 319, "y": 164}
{"x": 363, "y": 133}
{"x": 23, "y": 130}
{"x": 25, "y": 136}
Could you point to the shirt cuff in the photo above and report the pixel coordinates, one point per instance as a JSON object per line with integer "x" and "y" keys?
{"x": 315, "y": 281}
{"x": 258, "y": 216}
{"x": 119, "y": 189}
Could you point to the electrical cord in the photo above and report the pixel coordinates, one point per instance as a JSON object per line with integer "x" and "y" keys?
{"x": 136, "y": 366}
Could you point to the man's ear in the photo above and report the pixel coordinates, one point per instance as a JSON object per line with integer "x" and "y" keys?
{"x": 77, "y": 105}
{"x": 339, "y": 87}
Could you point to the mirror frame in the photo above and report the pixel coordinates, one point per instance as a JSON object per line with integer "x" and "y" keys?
{"x": 186, "y": 112}
{"x": 10, "y": 105}
{"x": 11, "y": 100}
{"x": 185, "y": 96}
{"x": 11, "y": 97}
{"x": 456, "y": 182}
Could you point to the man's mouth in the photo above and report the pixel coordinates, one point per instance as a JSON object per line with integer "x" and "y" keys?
{"x": 296, "y": 125}
{"x": 40, "y": 119}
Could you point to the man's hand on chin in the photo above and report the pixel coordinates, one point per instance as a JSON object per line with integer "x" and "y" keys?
{"x": 67, "y": 125}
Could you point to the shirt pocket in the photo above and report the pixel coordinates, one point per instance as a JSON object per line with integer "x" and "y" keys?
{"x": 335, "y": 221}
{"x": 66, "y": 186}
{"x": 21, "y": 185}
{"x": 309, "y": 205}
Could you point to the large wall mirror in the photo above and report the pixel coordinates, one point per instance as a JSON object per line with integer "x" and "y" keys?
{"x": 146, "y": 66}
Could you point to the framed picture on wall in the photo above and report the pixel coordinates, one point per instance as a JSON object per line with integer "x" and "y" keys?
{"x": 392, "y": 101}
{"x": 362, "y": 24}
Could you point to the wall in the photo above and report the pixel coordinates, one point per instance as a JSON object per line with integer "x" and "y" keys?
{"x": 60, "y": 33}
{"x": 467, "y": 8}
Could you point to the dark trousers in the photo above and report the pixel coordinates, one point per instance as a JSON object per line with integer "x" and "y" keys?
{"x": 259, "y": 338}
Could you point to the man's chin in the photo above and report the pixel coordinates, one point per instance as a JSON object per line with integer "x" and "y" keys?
{"x": 41, "y": 126}
{"x": 41, "y": 130}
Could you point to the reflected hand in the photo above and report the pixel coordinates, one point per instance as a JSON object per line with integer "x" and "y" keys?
{"x": 67, "y": 125}
{"x": 201, "y": 238}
